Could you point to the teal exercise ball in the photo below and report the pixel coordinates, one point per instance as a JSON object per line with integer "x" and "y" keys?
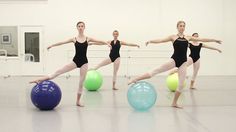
{"x": 93, "y": 80}
{"x": 142, "y": 96}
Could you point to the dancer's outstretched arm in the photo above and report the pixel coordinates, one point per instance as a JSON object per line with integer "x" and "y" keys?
{"x": 191, "y": 38}
{"x": 71, "y": 40}
{"x": 129, "y": 44}
{"x": 158, "y": 41}
{"x": 98, "y": 42}
{"x": 212, "y": 48}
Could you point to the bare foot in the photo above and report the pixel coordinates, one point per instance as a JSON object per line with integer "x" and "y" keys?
{"x": 193, "y": 88}
{"x": 176, "y": 106}
{"x": 114, "y": 88}
{"x": 79, "y": 104}
{"x": 35, "y": 81}
{"x": 40, "y": 79}
{"x": 7, "y": 76}
{"x": 131, "y": 81}
{"x": 192, "y": 85}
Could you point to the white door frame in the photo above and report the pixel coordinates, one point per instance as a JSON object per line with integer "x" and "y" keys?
{"x": 31, "y": 68}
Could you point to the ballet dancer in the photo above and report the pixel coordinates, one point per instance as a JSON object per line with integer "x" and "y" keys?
{"x": 81, "y": 42}
{"x": 178, "y": 59}
{"x": 194, "y": 58}
{"x": 114, "y": 56}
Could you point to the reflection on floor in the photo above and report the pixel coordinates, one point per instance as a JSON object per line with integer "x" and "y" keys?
{"x": 210, "y": 108}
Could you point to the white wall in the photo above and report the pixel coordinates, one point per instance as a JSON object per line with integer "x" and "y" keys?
{"x": 137, "y": 21}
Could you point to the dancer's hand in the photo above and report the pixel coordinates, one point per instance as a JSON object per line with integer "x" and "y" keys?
{"x": 109, "y": 45}
{"x": 147, "y": 43}
{"x": 49, "y": 47}
{"x": 138, "y": 46}
{"x": 218, "y": 41}
{"x": 219, "y": 51}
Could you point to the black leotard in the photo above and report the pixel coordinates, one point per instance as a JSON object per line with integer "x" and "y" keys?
{"x": 195, "y": 51}
{"x": 180, "y": 50}
{"x": 80, "y": 57}
{"x": 115, "y": 51}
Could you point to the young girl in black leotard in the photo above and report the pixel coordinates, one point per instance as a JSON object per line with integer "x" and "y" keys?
{"x": 178, "y": 59}
{"x": 114, "y": 56}
{"x": 194, "y": 58}
{"x": 79, "y": 60}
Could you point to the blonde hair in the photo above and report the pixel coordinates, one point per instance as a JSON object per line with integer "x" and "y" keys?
{"x": 179, "y": 22}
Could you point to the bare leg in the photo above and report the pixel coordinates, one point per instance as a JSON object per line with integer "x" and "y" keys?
{"x": 60, "y": 71}
{"x": 181, "y": 75}
{"x": 103, "y": 63}
{"x": 174, "y": 104}
{"x": 189, "y": 63}
{"x": 165, "y": 67}
{"x": 83, "y": 72}
{"x": 116, "y": 68}
{"x": 196, "y": 67}
{"x": 173, "y": 71}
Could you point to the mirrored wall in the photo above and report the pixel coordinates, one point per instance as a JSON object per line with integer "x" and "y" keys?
{"x": 8, "y": 41}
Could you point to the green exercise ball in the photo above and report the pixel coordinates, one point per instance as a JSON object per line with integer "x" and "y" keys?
{"x": 93, "y": 80}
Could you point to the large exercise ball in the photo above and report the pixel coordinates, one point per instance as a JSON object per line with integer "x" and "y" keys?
{"x": 46, "y": 95}
{"x": 172, "y": 82}
{"x": 142, "y": 96}
{"x": 93, "y": 80}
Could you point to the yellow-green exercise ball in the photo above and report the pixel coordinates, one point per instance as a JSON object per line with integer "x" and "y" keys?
{"x": 172, "y": 82}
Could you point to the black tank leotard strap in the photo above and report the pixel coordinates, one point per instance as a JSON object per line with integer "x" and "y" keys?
{"x": 115, "y": 51}
{"x": 195, "y": 51}
{"x": 180, "y": 51}
{"x": 80, "y": 57}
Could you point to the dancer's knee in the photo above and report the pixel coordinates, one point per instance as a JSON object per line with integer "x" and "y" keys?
{"x": 180, "y": 87}
{"x": 80, "y": 90}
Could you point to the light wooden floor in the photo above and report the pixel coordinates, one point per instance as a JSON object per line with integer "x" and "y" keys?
{"x": 210, "y": 108}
